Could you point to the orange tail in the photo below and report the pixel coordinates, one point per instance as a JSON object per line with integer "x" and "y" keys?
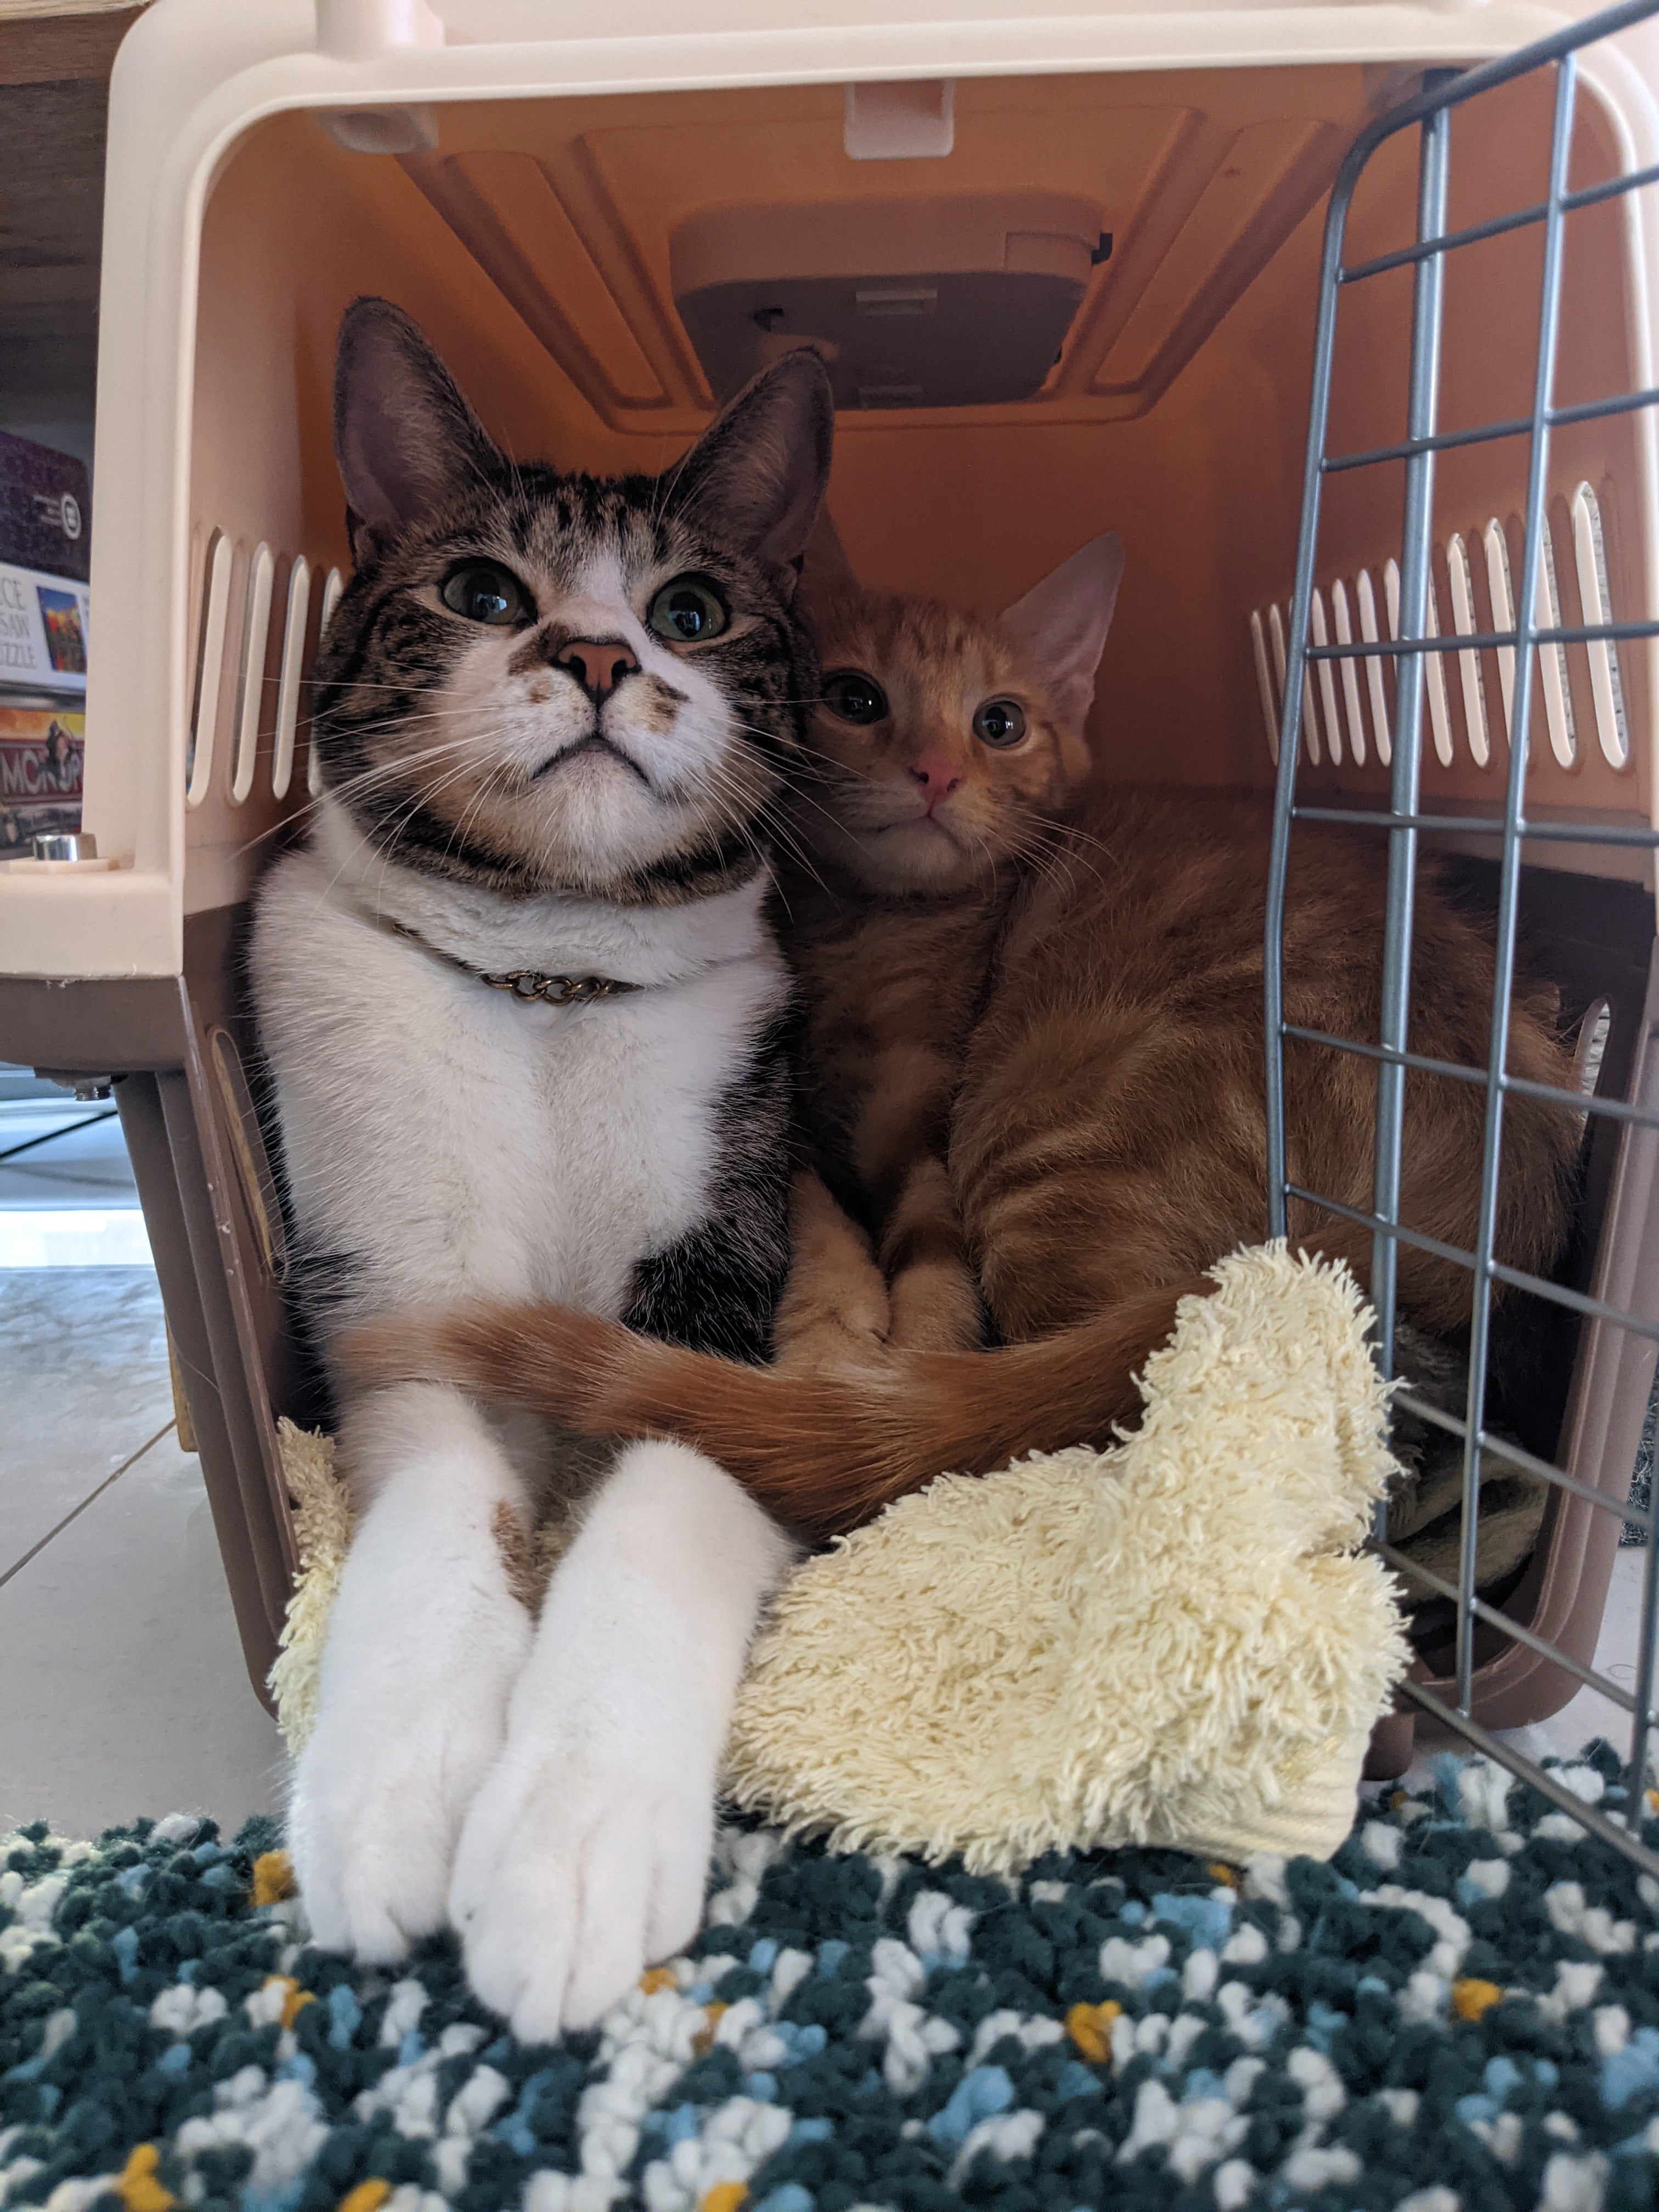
{"x": 823, "y": 1452}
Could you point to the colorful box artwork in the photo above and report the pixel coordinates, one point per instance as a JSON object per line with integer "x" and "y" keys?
{"x": 43, "y": 631}
{"x": 42, "y": 749}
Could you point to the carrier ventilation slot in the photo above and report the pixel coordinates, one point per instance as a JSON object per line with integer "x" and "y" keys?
{"x": 1308, "y": 721}
{"x": 1501, "y": 587}
{"x": 332, "y": 587}
{"x": 259, "y": 593}
{"x": 1439, "y": 705}
{"x": 1345, "y": 734}
{"x": 1591, "y": 1048}
{"x": 1344, "y": 629}
{"x": 1552, "y": 661}
{"x": 1371, "y": 634}
{"x": 210, "y": 667}
{"x": 1461, "y": 579}
{"x": 247, "y": 1149}
{"x": 1276, "y": 634}
{"x": 288, "y": 682}
{"x": 1327, "y": 682}
{"x": 1310, "y": 727}
{"x": 1590, "y": 558}
{"x": 251, "y": 677}
{"x": 1264, "y": 682}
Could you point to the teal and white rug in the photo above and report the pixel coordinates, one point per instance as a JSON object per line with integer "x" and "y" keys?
{"x": 1460, "y": 2014}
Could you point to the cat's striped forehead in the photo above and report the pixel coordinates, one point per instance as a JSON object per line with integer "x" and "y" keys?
{"x": 566, "y": 527}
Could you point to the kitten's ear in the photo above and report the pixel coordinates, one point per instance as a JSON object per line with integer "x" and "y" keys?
{"x": 1061, "y": 623}
{"x": 754, "y": 479}
{"x": 826, "y": 573}
{"x": 405, "y": 438}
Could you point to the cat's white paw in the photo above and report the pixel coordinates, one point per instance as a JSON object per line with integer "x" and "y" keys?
{"x": 425, "y": 1644}
{"x": 584, "y": 1858}
{"x": 380, "y": 1793}
{"x": 576, "y": 1870}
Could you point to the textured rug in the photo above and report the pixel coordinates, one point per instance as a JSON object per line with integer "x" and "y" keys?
{"x": 1460, "y": 2013}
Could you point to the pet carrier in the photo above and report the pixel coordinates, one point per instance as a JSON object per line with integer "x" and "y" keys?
{"x": 1067, "y": 271}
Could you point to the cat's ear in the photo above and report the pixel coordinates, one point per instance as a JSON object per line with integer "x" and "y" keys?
{"x": 826, "y": 573}
{"x": 1061, "y": 624}
{"x": 405, "y": 440}
{"x": 754, "y": 479}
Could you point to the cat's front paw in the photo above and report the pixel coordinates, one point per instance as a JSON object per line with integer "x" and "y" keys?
{"x": 382, "y": 1789}
{"x": 575, "y": 1871}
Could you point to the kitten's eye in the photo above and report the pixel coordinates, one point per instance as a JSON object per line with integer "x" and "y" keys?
{"x": 688, "y": 611}
{"x": 484, "y": 592}
{"x": 855, "y": 697}
{"x": 999, "y": 722}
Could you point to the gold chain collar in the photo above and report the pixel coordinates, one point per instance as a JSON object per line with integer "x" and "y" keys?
{"x": 530, "y": 986}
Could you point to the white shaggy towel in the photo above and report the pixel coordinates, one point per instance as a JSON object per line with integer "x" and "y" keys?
{"x": 1173, "y": 1642}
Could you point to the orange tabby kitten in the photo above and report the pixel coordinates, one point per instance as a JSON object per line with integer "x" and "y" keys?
{"x": 1034, "y": 1069}
{"x": 943, "y": 777}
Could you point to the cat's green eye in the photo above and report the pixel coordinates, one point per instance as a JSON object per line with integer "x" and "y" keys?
{"x": 688, "y": 612}
{"x": 999, "y": 722}
{"x": 854, "y": 697}
{"x": 484, "y": 592}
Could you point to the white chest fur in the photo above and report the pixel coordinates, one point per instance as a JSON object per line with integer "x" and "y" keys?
{"x": 442, "y": 1138}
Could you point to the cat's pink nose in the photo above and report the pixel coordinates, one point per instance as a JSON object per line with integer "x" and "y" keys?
{"x": 938, "y": 775}
{"x": 598, "y": 664}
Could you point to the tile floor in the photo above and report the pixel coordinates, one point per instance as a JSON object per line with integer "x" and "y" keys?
{"x": 1590, "y": 1714}
{"x": 125, "y": 1688}
{"x": 69, "y": 1201}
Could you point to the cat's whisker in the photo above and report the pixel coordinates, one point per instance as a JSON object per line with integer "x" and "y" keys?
{"x": 764, "y": 811}
{"x": 796, "y": 795}
{"x": 319, "y": 684}
{"x": 367, "y": 781}
{"x": 385, "y": 840}
{"x": 355, "y": 786}
{"x": 493, "y": 785}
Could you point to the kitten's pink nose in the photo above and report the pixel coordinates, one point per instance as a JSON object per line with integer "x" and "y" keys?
{"x": 598, "y": 664}
{"x": 937, "y": 774}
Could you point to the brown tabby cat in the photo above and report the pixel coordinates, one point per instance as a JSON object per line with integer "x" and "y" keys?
{"x": 1034, "y": 1069}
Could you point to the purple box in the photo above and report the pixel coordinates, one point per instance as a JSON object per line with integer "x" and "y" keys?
{"x": 46, "y": 508}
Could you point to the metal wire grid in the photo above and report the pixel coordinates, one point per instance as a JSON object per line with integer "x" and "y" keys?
{"x": 1430, "y": 114}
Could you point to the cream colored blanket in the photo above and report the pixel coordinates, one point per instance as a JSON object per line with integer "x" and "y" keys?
{"x": 1176, "y": 1641}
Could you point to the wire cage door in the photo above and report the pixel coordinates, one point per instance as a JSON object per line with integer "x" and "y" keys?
{"x": 1416, "y": 654}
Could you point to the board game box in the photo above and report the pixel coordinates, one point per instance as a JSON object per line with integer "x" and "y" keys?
{"x": 42, "y": 747}
{"x": 43, "y": 631}
{"x": 46, "y": 508}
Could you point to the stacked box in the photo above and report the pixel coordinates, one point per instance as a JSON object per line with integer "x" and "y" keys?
{"x": 43, "y": 633}
{"x": 45, "y": 509}
{"x": 45, "y": 538}
{"x": 42, "y": 745}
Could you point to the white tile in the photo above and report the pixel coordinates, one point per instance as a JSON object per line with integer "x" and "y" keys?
{"x": 85, "y": 1164}
{"x": 74, "y": 1237}
{"x": 84, "y": 1354}
{"x": 126, "y": 1692}
{"x": 1589, "y": 1715}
